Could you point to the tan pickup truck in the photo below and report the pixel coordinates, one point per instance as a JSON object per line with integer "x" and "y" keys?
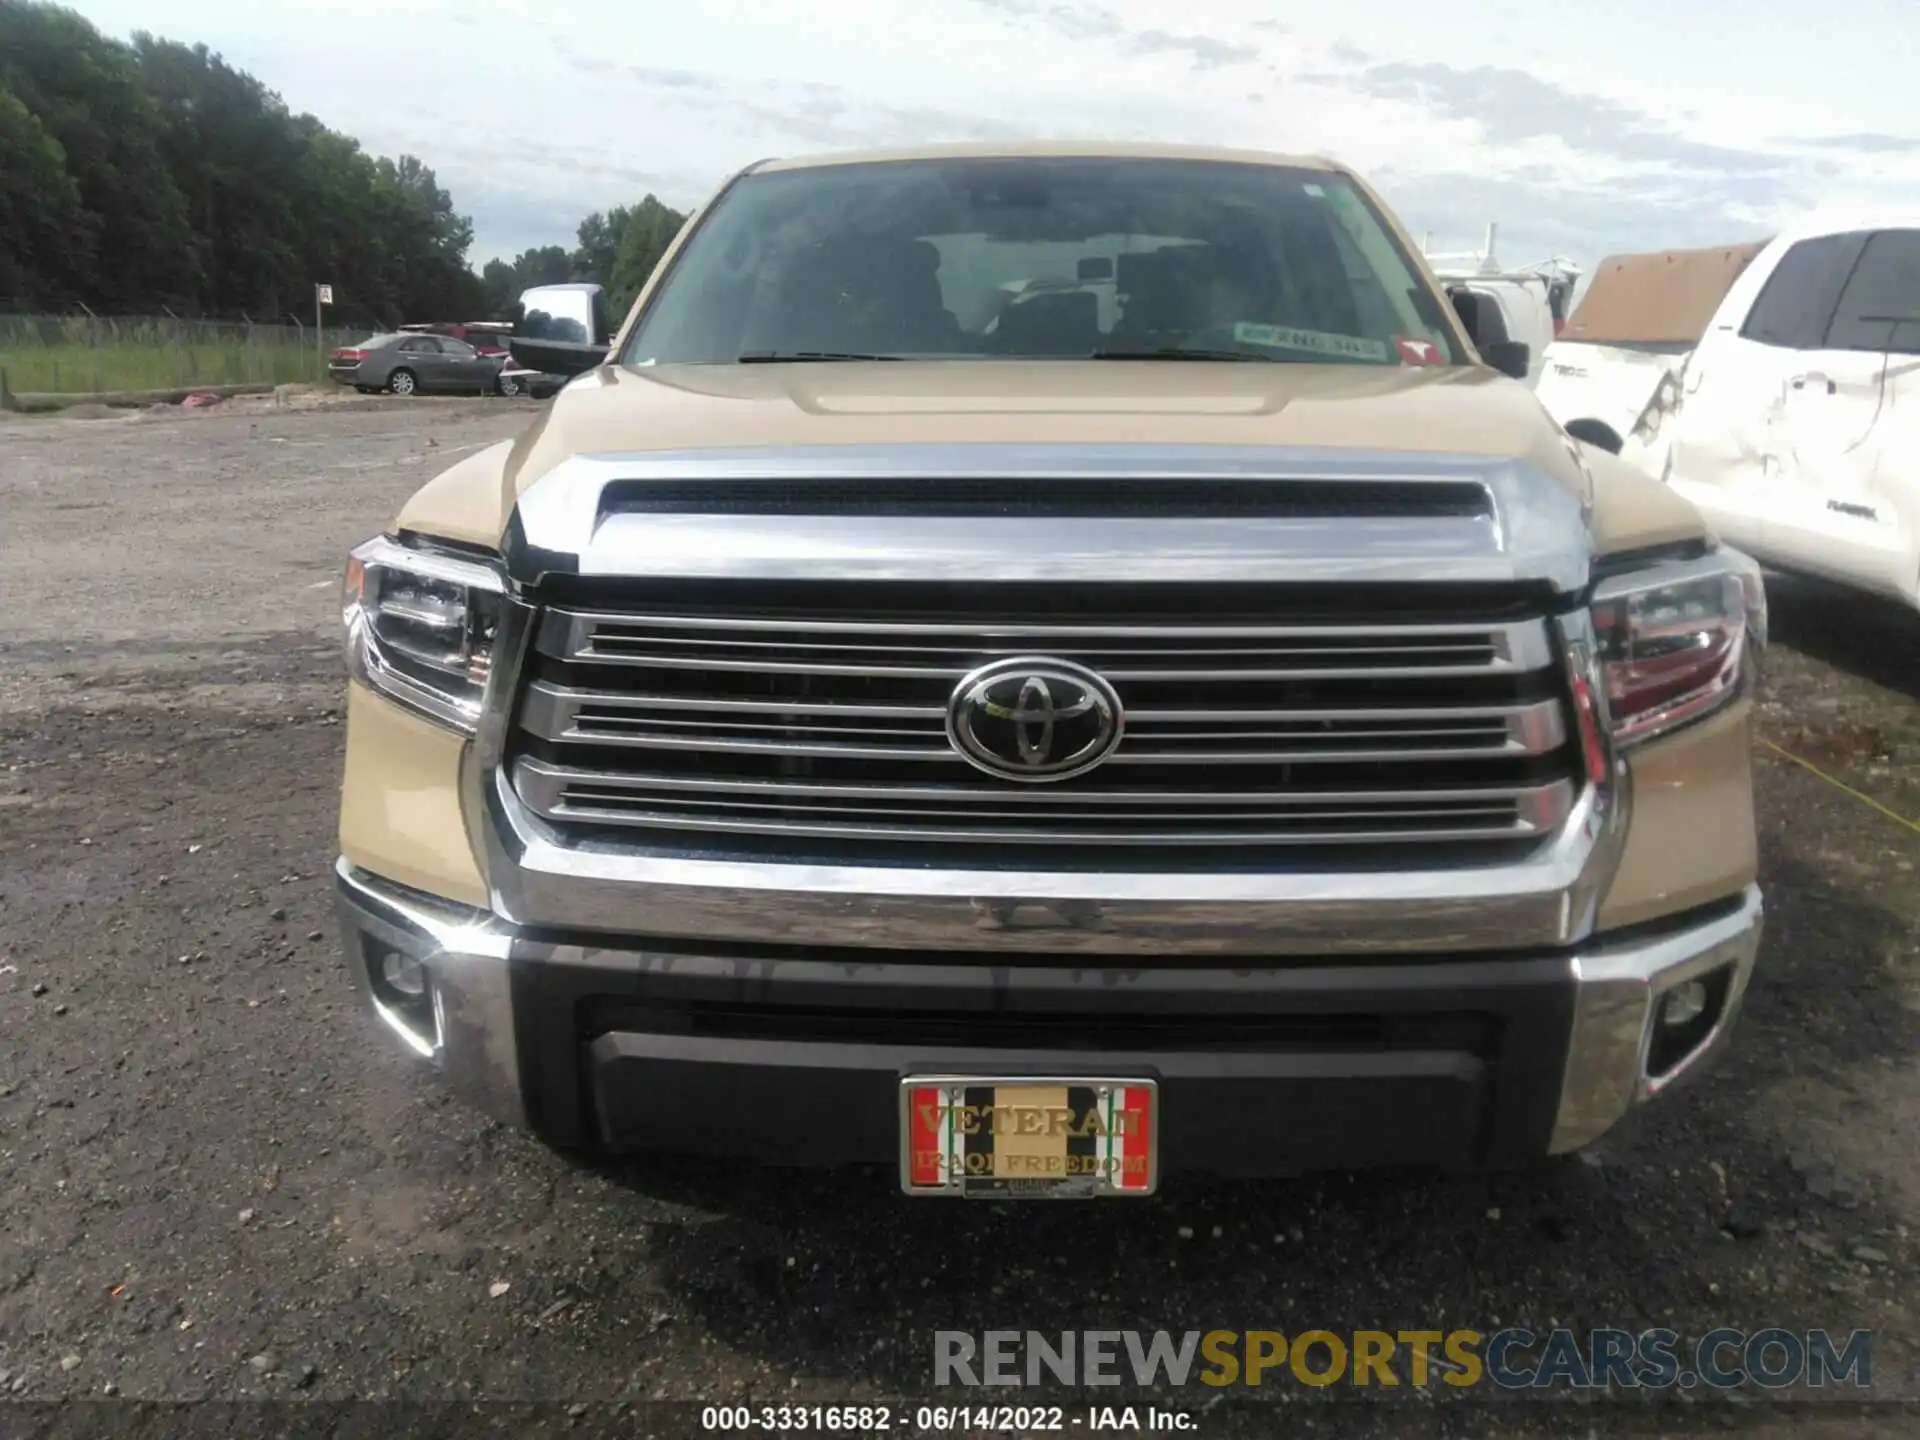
{"x": 1048, "y": 669}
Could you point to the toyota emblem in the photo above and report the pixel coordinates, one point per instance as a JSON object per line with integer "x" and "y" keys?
{"x": 1034, "y": 719}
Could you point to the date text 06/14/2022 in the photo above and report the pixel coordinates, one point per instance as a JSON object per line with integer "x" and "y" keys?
{"x": 943, "y": 1419}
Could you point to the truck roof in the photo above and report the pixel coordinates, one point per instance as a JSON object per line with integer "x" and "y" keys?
{"x": 1847, "y": 219}
{"x": 1013, "y": 149}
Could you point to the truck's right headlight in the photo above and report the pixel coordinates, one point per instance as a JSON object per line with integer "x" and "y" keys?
{"x": 1677, "y": 641}
{"x": 421, "y": 626}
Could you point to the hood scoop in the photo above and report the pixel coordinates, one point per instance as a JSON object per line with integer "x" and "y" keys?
{"x": 1055, "y": 513}
{"x": 936, "y": 496}
{"x": 1240, "y": 402}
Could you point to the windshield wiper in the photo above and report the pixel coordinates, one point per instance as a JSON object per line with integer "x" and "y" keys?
{"x": 1175, "y": 352}
{"x": 783, "y": 357}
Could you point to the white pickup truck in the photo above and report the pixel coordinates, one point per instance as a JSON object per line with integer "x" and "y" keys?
{"x": 1610, "y": 368}
{"x": 1793, "y": 423}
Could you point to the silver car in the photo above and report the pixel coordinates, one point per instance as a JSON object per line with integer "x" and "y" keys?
{"x": 410, "y": 364}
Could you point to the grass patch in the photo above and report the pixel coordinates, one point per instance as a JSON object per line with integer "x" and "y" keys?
{"x": 63, "y": 356}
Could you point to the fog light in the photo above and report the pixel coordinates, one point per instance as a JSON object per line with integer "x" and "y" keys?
{"x": 1682, "y": 1006}
{"x": 404, "y": 973}
{"x": 1684, "y": 1018}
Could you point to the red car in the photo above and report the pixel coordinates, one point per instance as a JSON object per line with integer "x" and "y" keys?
{"x": 489, "y": 337}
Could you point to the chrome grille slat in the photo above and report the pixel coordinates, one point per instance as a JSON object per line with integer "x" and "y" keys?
{"x": 797, "y": 726}
{"x": 582, "y": 623}
{"x": 722, "y": 706}
{"x": 720, "y": 744}
{"x": 844, "y": 750}
{"x": 1277, "y": 756}
{"x": 892, "y": 648}
{"x": 1325, "y": 819}
{"x": 1276, "y": 715}
{"x": 681, "y": 726}
{"x": 1160, "y": 737}
{"x": 1467, "y": 646}
{"x": 587, "y": 798}
{"x": 540, "y": 779}
{"x": 951, "y": 674}
{"x": 1029, "y": 836}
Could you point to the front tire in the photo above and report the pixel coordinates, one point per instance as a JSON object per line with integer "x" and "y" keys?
{"x": 510, "y": 386}
{"x": 401, "y": 382}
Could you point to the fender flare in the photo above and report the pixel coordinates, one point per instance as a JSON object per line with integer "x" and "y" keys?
{"x": 1596, "y": 433}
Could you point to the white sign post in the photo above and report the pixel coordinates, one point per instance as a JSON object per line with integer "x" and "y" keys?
{"x": 322, "y": 295}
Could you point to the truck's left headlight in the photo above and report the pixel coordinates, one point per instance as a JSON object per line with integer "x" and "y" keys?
{"x": 1677, "y": 641}
{"x": 421, "y": 626}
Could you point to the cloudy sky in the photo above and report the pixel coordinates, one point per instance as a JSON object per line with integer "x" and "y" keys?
{"x": 1662, "y": 125}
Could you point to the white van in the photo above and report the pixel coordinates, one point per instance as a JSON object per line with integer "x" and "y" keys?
{"x": 1795, "y": 426}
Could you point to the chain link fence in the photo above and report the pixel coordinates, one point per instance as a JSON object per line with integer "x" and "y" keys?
{"x": 94, "y": 354}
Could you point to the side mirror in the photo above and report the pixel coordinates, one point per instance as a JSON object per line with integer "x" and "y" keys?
{"x": 1509, "y": 357}
{"x": 1486, "y": 325}
{"x": 1472, "y": 307}
{"x": 555, "y": 357}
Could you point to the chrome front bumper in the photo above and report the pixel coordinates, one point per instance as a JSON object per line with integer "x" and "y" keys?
{"x": 1616, "y": 987}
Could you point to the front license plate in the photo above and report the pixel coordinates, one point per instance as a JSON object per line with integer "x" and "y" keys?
{"x": 1050, "y": 1139}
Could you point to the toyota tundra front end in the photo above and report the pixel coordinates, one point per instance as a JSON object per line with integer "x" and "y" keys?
{"x": 1203, "y": 717}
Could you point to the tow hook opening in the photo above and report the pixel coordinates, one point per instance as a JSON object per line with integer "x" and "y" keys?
{"x": 1685, "y": 1017}
{"x": 403, "y": 994}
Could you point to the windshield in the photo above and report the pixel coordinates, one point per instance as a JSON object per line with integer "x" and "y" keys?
{"x": 1043, "y": 258}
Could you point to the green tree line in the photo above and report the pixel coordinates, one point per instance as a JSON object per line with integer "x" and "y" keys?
{"x": 147, "y": 174}
{"x": 151, "y": 173}
{"x": 617, "y": 248}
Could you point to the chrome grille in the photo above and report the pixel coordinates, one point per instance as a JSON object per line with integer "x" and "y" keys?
{"x": 771, "y": 721}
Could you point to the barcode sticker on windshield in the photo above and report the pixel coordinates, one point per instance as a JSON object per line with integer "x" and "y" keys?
{"x": 1285, "y": 337}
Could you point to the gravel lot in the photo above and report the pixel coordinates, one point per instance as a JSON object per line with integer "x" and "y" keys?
{"x": 219, "y": 1182}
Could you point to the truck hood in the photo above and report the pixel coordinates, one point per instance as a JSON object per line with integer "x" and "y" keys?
{"x": 1458, "y": 412}
{"x": 1454, "y": 410}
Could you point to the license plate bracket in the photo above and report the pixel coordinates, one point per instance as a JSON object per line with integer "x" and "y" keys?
{"x": 1005, "y": 1137}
